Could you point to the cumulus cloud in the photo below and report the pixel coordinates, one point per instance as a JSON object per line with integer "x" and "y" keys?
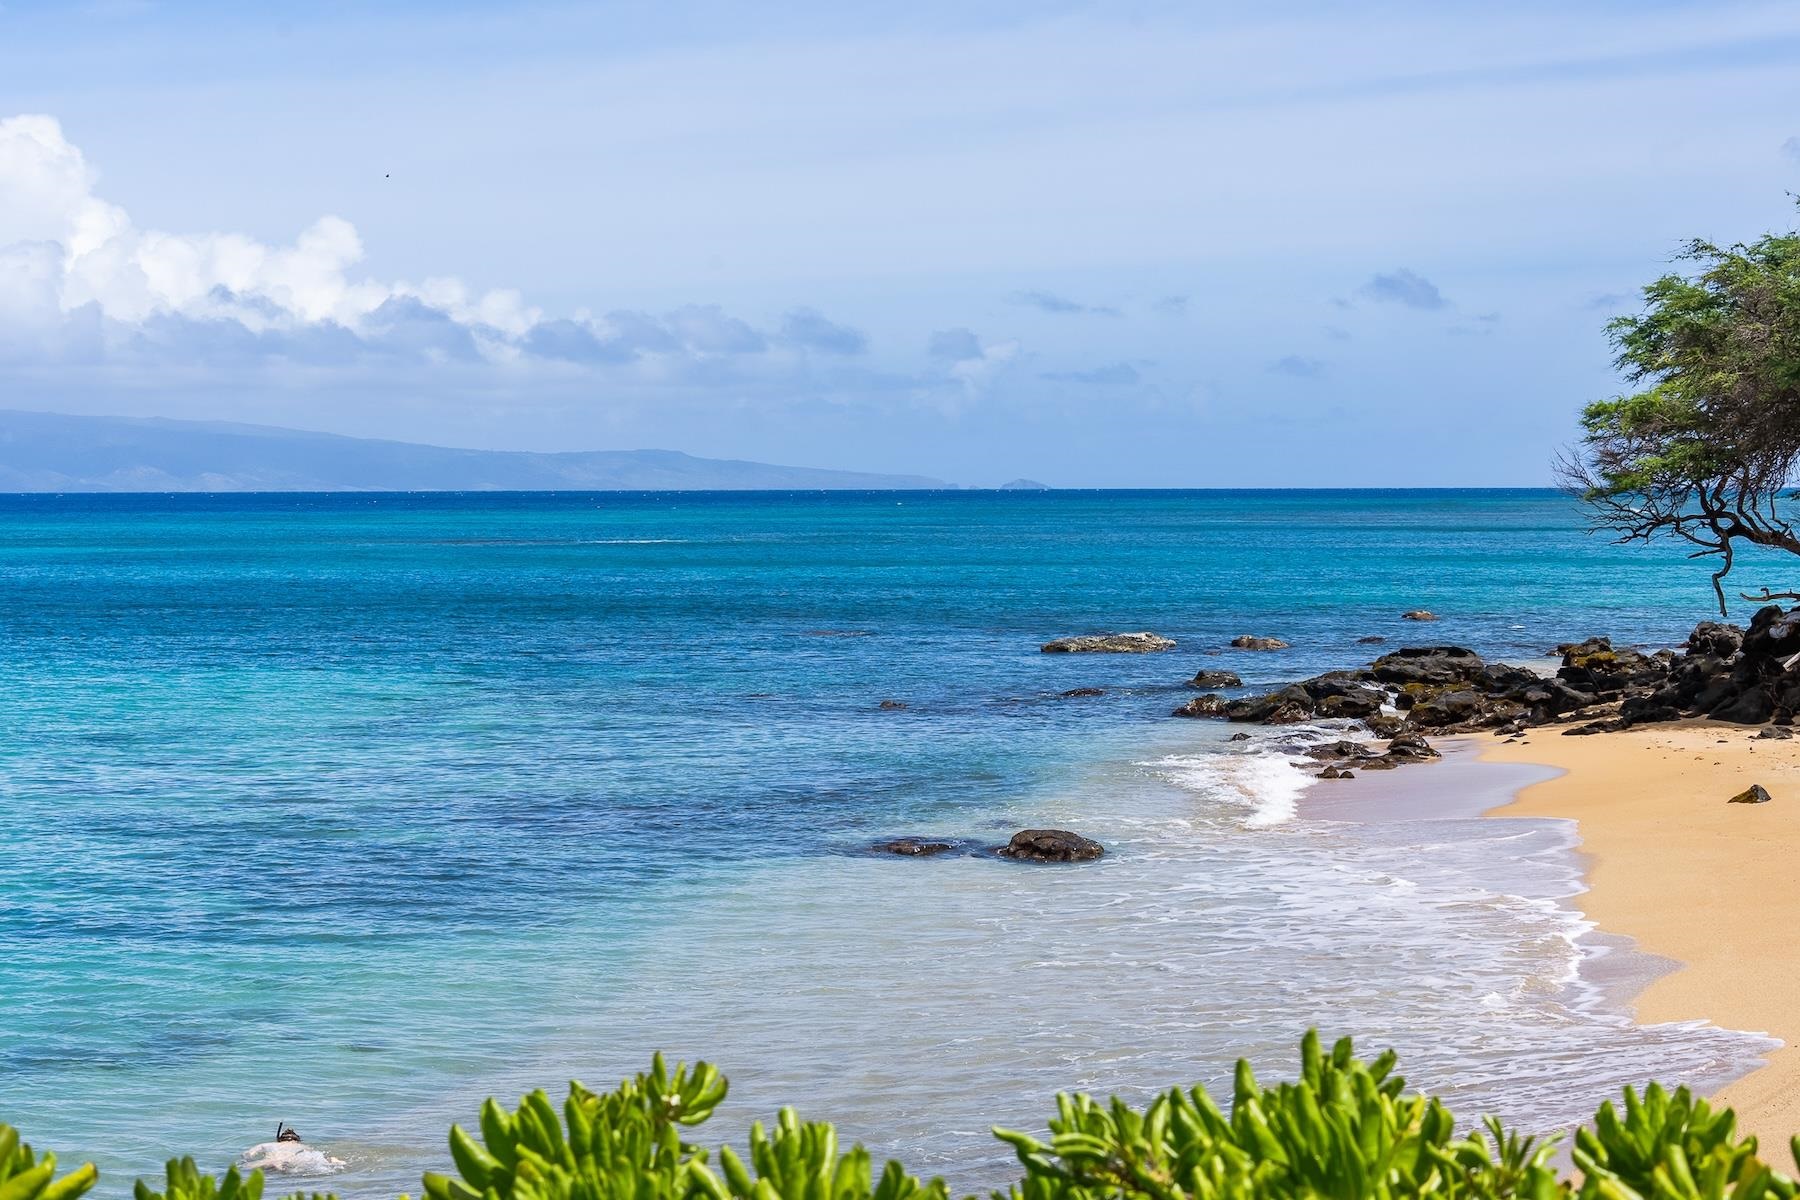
{"x": 1299, "y": 366}
{"x": 1405, "y": 287}
{"x": 806, "y": 328}
{"x": 1050, "y": 302}
{"x": 81, "y": 282}
{"x": 1114, "y": 374}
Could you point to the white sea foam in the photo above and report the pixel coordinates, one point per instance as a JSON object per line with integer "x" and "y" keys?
{"x": 1266, "y": 783}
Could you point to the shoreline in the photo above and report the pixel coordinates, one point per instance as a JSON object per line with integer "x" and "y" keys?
{"x": 1702, "y": 885}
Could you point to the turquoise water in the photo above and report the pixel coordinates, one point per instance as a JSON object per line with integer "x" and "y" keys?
{"x": 349, "y": 810}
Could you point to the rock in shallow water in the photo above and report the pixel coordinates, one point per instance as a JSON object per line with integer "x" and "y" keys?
{"x": 1419, "y": 614}
{"x": 1248, "y": 642}
{"x": 1050, "y": 845}
{"x": 1110, "y": 643}
{"x": 1206, "y": 681}
{"x": 913, "y": 847}
{"x": 1209, "y": 705}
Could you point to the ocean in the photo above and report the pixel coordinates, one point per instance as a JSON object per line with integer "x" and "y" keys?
{"x": 351, "y": 810}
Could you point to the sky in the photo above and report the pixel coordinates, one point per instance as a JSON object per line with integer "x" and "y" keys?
{"x": 1122, "y": 244}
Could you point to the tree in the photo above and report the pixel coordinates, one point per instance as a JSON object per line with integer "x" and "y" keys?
{"x": 1707, "y": 451}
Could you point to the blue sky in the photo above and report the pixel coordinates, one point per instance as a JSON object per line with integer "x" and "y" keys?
{"x": 1121, "y": 244}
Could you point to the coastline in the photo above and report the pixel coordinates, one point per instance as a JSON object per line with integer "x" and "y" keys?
{"x": 1689, "y": 878}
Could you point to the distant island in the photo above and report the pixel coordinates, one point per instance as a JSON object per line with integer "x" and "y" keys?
{"x": 51, "y": 452}
{"x": 1024, "y": 485}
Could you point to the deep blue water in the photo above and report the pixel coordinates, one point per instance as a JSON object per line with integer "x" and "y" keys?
{"x": 346, "y": 810}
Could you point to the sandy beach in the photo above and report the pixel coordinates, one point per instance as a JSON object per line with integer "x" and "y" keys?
{"x": 1692, "y": 878}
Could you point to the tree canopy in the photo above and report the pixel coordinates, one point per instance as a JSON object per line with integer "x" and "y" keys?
{"x": 1707, "y": 451}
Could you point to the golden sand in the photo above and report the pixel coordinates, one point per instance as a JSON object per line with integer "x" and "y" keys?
{"x": 1715, "y": 886}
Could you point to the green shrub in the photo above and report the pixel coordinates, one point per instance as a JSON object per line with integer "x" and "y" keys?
{"x": 22, "y": 1177}
{"x": 1345, "y": 1130}
{"x": 183, "y": 1181}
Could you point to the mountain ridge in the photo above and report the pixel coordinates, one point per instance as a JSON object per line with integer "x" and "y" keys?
{"x": 57, "y": 452}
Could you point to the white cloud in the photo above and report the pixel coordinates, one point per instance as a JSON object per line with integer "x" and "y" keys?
{"x": 67, "y": 248}
{"x": 81, "y": 282}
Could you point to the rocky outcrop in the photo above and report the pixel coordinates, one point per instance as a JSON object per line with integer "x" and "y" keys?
{"x": 1754, "y": 794}
{"x": 1748, "y": 676}
{"x": 1207, "y": 681}
{"x": 1110, "y": 643}
{"x": 1246, "y": 641}
{"x": 1050, "y": 845}
{"x": 1209, "y": 705}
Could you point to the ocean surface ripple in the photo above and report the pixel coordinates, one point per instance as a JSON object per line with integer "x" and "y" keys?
{"x": 350, "y": 810}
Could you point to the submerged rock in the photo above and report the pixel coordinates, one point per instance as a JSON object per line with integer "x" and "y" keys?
{"x": 892, "y": 705}
{"x": 1754, "y": 794}
{"x": 1419, "y": 614}
{"x": 1374, "y": 639}
{"x": 1050, "y": 845}
{"x": 1110, "y": 643}
{"x": 1208, "y": 680}
{"x": 913, "y": 847}
{"x": 1083, "y": 691}
{"x": 1248, "y": 642}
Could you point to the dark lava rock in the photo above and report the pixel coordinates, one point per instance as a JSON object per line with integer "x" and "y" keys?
{"x": 1598, "y": 667}
{"x": 1776, "y": 733}
{"x": 1750, "y": 708}
{"x": 1247, "y": 642}
{"x": 1377, "y": 764}
{"x": 892, "y": 704}
{"x": 1716, "y": 639}
{"x": 1383, "y": 724}
{"x": 1411, "y": 745}
{"x": 1089, "y": 691}
{"x": 1286, "y": 707}
{"x": 1449, "y": 708}
{"x": 1645, "y": 710}
{"x": 1050, "y": 845}
{"x": 1755, "y": 794}
{"x": 1419, "y": 614}
{"x": 1339, "y": 749}
{"x": 1334, "y": 773}
{"x": 1613, "y": 725}
{"x": 1238, "y": 737}
{"x": 912, "y": 847}
{"x": 1352, "y": 705}
{"x": 1428, "y": 665}
{"x": 1206, "y": 681}
{"x": 1209, "y": 705}
{"x": 1109, "y": 643}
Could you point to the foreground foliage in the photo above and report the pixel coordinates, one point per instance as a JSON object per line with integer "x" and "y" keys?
{"x": 1345, "y": 1130}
